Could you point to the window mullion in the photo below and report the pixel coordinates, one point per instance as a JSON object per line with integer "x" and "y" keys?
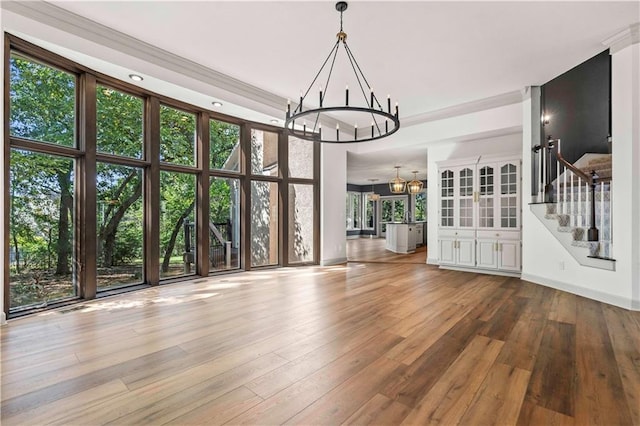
{"x": 85, "y": 205}
{"x": 152, "y": 191}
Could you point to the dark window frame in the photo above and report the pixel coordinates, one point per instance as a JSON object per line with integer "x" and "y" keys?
{"x": 86, "y": 158}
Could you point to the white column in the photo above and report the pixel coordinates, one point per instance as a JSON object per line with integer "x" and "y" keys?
{"x": 333, "y": 190}
{"x": 531, "y": 112}
{"x": 625, "y": 104}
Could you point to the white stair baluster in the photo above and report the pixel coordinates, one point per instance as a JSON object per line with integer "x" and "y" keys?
{"x": 573, "y": 216}
{"x": 601, "y": 211}
{"x": 564, "y": 202}
{"x": 540, "y": 198}
{"x": 610, "y": 202}
{"x": 557, "y": 188}
{"x": 587, "y": 212}
{"x": 579, "y": 217}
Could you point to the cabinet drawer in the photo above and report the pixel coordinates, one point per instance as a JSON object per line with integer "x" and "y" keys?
{"x": 456, "y": 233}
{"x": 499, "y": 235}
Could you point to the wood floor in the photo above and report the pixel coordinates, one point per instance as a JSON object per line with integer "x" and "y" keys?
{"x": 363, "y": 343}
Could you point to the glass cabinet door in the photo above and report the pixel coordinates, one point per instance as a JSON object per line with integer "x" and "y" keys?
{"x": 509, "y": 196}
{"x": 446, "y": 198}
{"x": 486, "y": 196}
{"x": 465, "y": 199}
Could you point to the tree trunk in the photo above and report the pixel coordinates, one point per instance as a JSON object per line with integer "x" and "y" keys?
{"x": 15, "y": 245}
{"x": 108, "y": 232}
{"x": 63, "y": 246}
{"x": 174, "y": 236}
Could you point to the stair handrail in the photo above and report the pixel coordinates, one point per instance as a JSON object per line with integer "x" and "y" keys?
{"x": 591, "y": 180}
{"x": 553, "y": 145}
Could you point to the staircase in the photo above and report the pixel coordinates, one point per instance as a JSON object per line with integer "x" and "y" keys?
{"x": 568, "y": 217}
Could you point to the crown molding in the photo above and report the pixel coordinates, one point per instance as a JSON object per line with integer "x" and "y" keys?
{"x": 625, "y": 38}
{"x": 64, "y": 20}
{"x": 496, "y": 101}
{"x": 82, "y": 27}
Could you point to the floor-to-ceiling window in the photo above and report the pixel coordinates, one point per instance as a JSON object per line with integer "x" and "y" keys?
{"x": 224, "y": 196}
{"x": 42, "y": 183}
{"x": 119, "y": 188}
{"x": 112, "y": 186}
{"x": 302, "y": 215}
{"x": 265, "y": 209}
{"x": 177, "y": 192}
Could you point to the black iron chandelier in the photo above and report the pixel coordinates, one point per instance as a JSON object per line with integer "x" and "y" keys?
{"x": 305, "y": 124}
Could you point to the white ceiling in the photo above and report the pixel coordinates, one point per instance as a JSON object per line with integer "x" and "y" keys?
{"x": 427, "y": 55}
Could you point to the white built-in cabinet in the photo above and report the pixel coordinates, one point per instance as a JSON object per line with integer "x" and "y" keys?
{"x": 479, "y": 213}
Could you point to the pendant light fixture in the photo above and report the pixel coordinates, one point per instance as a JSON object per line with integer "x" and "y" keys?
{"x": 373, "y": 196}
{"x": 415, "y": 186}
{"x": 397, "y": 184}
{"x": 305, "y": 123}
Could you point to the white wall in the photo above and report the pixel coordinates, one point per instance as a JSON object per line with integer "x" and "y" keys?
{"x": 333, "y": 189}
{"x": 509, "y": 144}
{"x": 544, "y": 260}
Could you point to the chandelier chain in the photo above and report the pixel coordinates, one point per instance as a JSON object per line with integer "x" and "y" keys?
{"x": 335, "y": 47}
{"x": 353, "y": 61}
{"x": 326, "y": 86}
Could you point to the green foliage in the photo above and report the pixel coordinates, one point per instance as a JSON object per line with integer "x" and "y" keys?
{"x": 177, "y": 136}
{"x": 119, "y": 123}
{"x": 421, "y": 206}
{"x": 224, "y": 140}
{"x": 42, "y": 102}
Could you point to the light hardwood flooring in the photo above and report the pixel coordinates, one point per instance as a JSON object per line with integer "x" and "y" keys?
{"x": 363, "y": 343}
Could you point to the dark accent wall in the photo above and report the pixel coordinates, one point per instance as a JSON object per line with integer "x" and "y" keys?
{"x": 578, "y": 104}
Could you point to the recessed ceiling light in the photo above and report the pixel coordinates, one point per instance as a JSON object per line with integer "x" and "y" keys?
{"x": 135, "y": 77}
{"x": 216, "y": 104}
{"x": 274, "y": 121}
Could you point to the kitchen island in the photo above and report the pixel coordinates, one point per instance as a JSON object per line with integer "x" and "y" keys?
{"x": 403, "y": 237}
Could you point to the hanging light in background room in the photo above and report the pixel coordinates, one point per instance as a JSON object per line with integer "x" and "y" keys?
{"x": 384, "y": 121}
{"x": 415, "y": 186}
{"x": 373, "y": 196}
{"x": 397, "y": 184}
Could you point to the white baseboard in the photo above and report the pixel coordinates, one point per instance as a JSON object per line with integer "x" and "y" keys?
{"x": 331, "y": 262}
{"x": 482, "y": 271}
{"x": 611, "y": 299}
{"x": 432, "y": 261}
{"x": 3, "y": 318}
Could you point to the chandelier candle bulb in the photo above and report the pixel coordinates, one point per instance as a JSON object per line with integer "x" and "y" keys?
{"x": 346, "y": 94}
{"x": 337, "y": 131}
{"x": 371, "y": 88}
{"x": 300, "y": 106}
{"x": 389, "y": 104}
{"x": 320, "y": 96}
{"x": 288, "y": 107}
{"x": 355, "y": 128}
{"x": 386, "y": 125}
{"x": 320, "y": 130}
{"x": 396, "y": 110}
{"x": 372, "y": 124}
{"x": 304, "y": 128}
